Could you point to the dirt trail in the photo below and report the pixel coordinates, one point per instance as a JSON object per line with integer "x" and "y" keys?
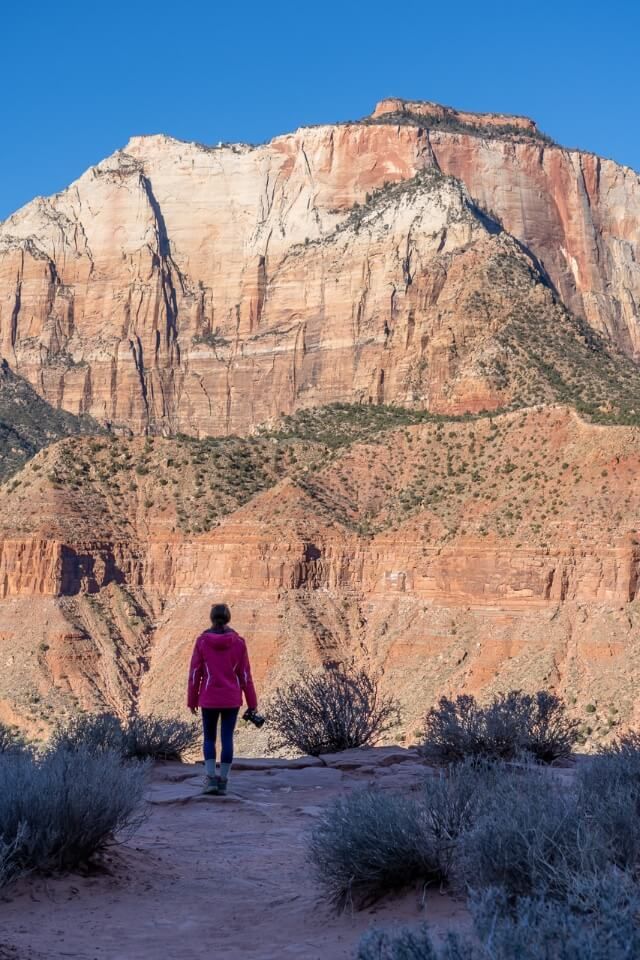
{"x": 221, "y": 877}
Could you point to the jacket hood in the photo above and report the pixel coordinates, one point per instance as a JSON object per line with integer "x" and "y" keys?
{"x": 220, "y": 641}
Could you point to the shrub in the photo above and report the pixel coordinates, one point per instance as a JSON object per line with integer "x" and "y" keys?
{"x": 609, "y": 796}
{"x": 599, "y": 921}
{"x": 58, "y": 811}
{"x": 529, "y": 839}
{"x": 93, "y": 732}
{"x": 11, "y": 741}
{"x": 159, "y": 738}
{"x": 371, "y": 843}
{"x": 330, "y": 711}
{"x": 140, "y": 737}
{"x": 411, "y": 943}
{"x": 512, "y": 725}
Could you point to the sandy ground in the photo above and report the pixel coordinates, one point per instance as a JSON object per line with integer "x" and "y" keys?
{"x": 218, "y": 877}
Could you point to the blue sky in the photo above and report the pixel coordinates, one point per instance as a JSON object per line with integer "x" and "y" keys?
{"x": 79, "y": 78}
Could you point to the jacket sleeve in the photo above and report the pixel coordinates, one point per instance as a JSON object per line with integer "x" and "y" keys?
{"x": 195, "y": 677}
{"x": 244, "y": 677}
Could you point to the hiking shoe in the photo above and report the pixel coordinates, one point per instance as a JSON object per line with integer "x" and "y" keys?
{"x": 211, "y": 786}
{"x": 222, "y": 786}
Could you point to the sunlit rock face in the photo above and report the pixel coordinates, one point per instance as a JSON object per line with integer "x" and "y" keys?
{"x": 177, "y": 287}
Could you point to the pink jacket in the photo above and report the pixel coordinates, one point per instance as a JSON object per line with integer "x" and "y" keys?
{"x": 220, "y": 671}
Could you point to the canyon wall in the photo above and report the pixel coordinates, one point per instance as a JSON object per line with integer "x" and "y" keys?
{"x": 450, "y": 594}
{"x": 177, "y": 287}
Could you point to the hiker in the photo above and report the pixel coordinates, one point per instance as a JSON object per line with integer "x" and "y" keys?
{"x": 219, "y": 675}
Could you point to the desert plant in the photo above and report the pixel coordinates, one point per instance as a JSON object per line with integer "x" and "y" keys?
{"x": 371, "y": 843}
{"x": 411, "y": 943}
{"x": 94, "y": 732}
{"x": 140, "y": 737}
{"x": 159, "y": 738}
{"x": 529, "y": 839}
{"x": 59, "y": 810}
{"x": 609, "y": 797}
{"x": 453, "y": 803}
{"x": 512, "y": 725}
{"x": 598, "y": 921}
{"x": 11, "y": 740}
{"x": 330, "y": 711}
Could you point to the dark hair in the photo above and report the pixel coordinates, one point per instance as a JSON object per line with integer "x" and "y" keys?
{"x": 220, "y": 614}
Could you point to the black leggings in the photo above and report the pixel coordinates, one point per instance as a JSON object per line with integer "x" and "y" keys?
{"x": 210, "y": 715}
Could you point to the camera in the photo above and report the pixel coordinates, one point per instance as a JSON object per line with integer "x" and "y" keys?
{"x": 252, "y": 716}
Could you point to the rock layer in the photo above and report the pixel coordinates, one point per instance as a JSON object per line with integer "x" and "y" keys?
{"x": 414, "y": 553}
{"x": 181, "y": 287}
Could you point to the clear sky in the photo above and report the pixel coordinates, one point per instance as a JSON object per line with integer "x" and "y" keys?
{"x": 79, "y": 77}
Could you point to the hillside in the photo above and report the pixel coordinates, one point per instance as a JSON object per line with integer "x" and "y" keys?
{"x": 28, "y": 423}
{"x": 450, "y": 554}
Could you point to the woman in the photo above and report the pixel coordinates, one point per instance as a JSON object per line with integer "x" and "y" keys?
{"x": 219, "y": 675}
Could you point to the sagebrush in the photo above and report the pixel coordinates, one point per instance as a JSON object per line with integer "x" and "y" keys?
{"x": 139, "y": 737}
{"x": 599, "y": 921}
{"x": 330, "y": 711}
{"x": 11, "y": 740}
{"x": 59, "y": 810}
{"x": 483, "y": 825}
{"x": 512, "y": 725}
{"x": 371, "y": 842}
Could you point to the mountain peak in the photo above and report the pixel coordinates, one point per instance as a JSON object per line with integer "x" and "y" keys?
{"x": 438, "y": 113}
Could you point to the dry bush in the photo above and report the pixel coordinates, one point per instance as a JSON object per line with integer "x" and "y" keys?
{"x": 599, "y": 921}
{"x": 330, "y": 711}
{"x": 95, "y": 732}
{"x": 371, "y": 843}
{"x": 609, "y": 797}
{"x": 140, "y": 737}
{"x": 159, "y": 738}
{"x": 528, "y": 840}
{"x": 11, "y": 740}
{"x": 411, "y": 943}
{"x": 59, "y": 810}
{"x": 513, "y": 725}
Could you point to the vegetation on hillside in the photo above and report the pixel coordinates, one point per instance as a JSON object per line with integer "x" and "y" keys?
{"x": 450, "y": 123}
{"x": 28, "y": 423}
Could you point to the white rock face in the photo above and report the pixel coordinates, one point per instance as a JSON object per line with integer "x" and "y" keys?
{"x": 180, "y": 287}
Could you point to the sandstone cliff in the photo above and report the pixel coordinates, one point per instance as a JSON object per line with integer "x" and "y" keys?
{"x": 452, "y": 556}
{"x": 181, "y": 287}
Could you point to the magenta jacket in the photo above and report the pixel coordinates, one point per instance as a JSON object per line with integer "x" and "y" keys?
{"x": 220, "y": 671}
